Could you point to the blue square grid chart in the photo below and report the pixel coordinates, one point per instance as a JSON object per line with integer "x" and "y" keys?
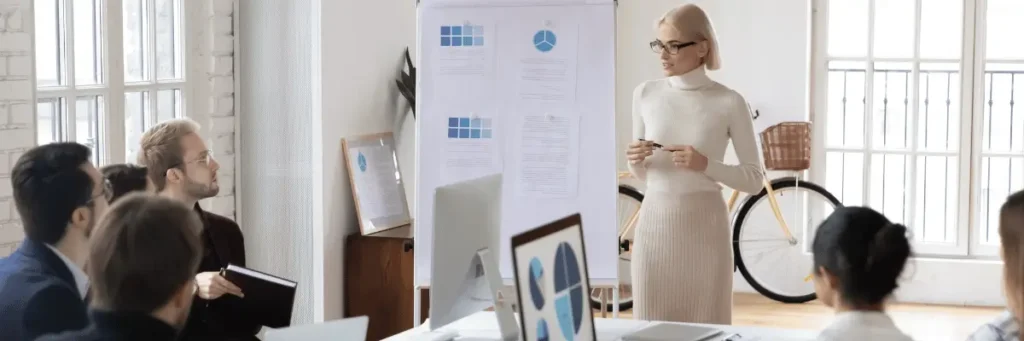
{"x": 462, "y": 36}
{"x": 469, "y": 128}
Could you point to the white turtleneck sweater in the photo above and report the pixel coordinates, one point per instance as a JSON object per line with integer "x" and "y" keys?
{"x": 694, "y": 110}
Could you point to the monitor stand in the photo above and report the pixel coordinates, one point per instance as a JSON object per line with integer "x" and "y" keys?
{"x": 502, "y": 302}
{"x": 484, "y": 265}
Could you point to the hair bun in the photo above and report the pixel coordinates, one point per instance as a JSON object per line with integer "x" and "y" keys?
{"x": 890, "y": 246}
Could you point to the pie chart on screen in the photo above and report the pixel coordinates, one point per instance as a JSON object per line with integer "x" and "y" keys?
{"x": 542, "y": 331}
{"x": 536, "y": 278}
{"x": 568, "y": 298}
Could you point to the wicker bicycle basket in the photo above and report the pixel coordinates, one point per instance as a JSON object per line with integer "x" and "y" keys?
{"x": 787, "y": 146}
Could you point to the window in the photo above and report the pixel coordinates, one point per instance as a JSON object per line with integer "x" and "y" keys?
{"x": 99, "y": 63}
{"x": 915, "y": 100}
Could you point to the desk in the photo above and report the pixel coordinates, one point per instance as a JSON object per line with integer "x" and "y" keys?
{"x": 484, "y": 326}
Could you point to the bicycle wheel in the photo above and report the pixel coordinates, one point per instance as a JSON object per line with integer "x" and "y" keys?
{"x": 629, "y": 201}
{"x": 774, "y": 264}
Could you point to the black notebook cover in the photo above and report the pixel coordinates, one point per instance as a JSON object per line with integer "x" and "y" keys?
{"x": 269, "y": 298}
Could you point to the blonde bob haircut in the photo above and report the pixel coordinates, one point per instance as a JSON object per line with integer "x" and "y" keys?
{"x": 690, "y": 20}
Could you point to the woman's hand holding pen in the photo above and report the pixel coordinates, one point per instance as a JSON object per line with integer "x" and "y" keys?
{"x": 212, "y": 285}
{"x": 687, "y": 157}
{"x": 638, "y": 151}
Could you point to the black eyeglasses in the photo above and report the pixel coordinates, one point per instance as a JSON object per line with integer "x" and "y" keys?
{"x": 106, "y": 193}
{"x": 672, "y": 47}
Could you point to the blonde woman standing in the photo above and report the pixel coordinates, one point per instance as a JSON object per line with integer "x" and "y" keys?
{"x": 682, "y": 261}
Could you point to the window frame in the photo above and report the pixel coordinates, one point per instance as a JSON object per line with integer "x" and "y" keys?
{"x": 111, "y": 136}
{"x": 971, "y": 71}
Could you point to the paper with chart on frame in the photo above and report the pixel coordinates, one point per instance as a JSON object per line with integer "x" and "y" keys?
{"x": 466, "y": 49}
{"x": 472, "y": 147}
{"x": 377, "y": 187}
{"x": 547, "y": 66}
{"x": 546, "y": 151}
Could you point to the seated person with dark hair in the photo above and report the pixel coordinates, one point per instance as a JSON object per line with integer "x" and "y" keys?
{"x": 125, "y": 178}
{"x": 59, "y": 196}
{"x": 143, "y": 260}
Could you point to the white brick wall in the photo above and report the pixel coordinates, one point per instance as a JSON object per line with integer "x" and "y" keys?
{"x": 214, "y": 70}
{"x": 16, "y": 103}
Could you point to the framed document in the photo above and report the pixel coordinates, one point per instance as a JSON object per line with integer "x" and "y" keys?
{"x": 377, "y": 189}
{"x": 552, "y": 281}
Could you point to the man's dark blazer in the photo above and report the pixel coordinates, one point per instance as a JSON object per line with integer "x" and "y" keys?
{"x": 38, "y": 294}
{"x": 225, "y": 318}
{"x": 119, "y": 326}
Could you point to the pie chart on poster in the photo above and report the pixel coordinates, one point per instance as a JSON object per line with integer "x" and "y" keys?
{"x": 569, "y": 296}
{"x": 542, "y": 331}
{"x": 544, "y": 40}
{"x": 536, "y": 278}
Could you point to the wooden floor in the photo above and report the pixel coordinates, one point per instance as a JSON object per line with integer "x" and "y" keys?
{"x": 922, "y": 322}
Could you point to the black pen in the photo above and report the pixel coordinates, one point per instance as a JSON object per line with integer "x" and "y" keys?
{"x": 655, "y": 144}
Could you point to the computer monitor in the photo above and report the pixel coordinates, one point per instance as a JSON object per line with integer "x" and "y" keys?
{"x": 464, "y": 277}
{"x": 350, "y": 329}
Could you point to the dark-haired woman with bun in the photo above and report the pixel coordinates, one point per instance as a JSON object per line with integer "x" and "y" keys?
{"x": 1006, "y": 327}
{"x": 858, "y": 258}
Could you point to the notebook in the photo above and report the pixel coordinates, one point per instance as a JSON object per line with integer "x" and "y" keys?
{"x": 269, "y": 298}
{"x": 672, "y": 331}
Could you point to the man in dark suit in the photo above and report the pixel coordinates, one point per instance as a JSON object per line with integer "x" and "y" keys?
{"x": 183, "y": 168}
{"x": 59, "y": 196}
{"x": 142, "y": 262}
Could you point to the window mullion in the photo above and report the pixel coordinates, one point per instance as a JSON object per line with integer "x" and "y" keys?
{"x": 915, "y": 110}
{"x": 869, "y": 85}
{"x": 114, "y": 47}
{"x": 150, "y": 28}
{"x": 974, "y": 113}
{"x": 68, "y": 121}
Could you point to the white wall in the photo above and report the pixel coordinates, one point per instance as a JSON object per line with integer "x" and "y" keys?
{"x": 361, "y": 46}
{"x": 211, "y": 98}
{"x": 276, "y": 139}
{"x": 315, "y": 72}
{"x": 17, "y": 109}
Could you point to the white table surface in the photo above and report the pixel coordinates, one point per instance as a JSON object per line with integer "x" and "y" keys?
{"x": 484, "y": 326}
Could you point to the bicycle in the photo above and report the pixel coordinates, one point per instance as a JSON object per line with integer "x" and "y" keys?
{"x": 785, "y": 147}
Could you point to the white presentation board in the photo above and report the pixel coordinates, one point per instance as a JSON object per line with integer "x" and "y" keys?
{"x": 527, "y": 89}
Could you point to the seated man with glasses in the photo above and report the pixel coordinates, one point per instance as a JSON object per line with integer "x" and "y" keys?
{"x": 59, "y": 196}
{"x": 142, "y": 261}
{"x": 182, "y": 168}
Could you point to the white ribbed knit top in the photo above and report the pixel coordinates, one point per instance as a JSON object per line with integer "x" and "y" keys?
{"x": 692, "y": 109}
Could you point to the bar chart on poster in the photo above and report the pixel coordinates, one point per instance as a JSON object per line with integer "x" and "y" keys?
{"x": 524, "y": 88}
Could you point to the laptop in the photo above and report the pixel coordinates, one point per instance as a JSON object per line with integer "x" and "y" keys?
{"x": 350, "y": 329}
{"x": 673, "y": 331}
{"x": 553, "y": 282}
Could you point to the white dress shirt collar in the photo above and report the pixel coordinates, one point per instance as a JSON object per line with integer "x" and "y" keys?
{"x": 81, "y": 279}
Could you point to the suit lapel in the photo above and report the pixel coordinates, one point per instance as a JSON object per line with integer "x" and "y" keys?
{"x": 213, "y": 239}
{"x": 52, "y": 264}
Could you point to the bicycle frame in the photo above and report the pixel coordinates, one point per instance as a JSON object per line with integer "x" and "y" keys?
{"x": 730, "y": 205}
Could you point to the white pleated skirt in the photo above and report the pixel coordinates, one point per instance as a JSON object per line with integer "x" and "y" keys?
{"x": 682, "y": 264}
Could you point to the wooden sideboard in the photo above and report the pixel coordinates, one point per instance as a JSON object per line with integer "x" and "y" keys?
{"x": 379, "y": 281}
